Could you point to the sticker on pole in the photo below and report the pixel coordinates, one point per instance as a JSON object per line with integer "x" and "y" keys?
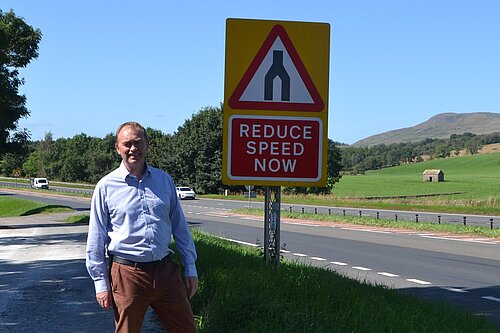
{"x": 277, "y": 79}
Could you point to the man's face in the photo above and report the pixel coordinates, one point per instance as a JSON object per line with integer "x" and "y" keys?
{"x": 132, "y": 147}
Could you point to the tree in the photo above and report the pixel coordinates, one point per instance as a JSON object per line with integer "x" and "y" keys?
{"x": 473, "y": 146}
{"x": 18, "y": 46}
{"x": 198, "y": 151}
{"x": 334, "y": 167}
{"x": 442, "y": 150}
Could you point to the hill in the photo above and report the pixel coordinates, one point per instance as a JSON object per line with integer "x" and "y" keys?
{"x": 441, "y": 126}
{"x": 476, "y": 178}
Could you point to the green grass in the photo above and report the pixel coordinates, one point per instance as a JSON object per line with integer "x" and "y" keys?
{"x": 239, "y": 293}
{"x": 77, "y": 219}
{"x": 476, "y": 179}
{"x": 10, "y": 207}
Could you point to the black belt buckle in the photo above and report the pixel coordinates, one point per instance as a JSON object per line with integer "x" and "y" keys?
{"x": 142, "y": 265}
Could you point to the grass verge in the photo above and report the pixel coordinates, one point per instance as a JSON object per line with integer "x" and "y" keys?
{"x": 401, "y": 224}
{"x": 476, "y": 207}
{"x": 84, "y": 219}
{"x": 239, "y": 293}
{"x": 10, "y": 207}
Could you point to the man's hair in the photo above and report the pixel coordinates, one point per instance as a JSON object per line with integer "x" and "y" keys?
{"x": 134, "y": 125}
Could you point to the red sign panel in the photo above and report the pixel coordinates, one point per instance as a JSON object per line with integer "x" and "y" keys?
{"x": 277, "y": 148}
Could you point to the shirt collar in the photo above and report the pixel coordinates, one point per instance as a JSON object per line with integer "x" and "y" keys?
{"x": 124, "y": 173}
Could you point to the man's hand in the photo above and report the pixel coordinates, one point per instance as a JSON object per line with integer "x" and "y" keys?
{"x": 104, "y": 299}
{"x": 191, "y": 285}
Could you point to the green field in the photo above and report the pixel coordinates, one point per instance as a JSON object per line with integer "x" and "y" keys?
{"x": 471, "y": 186}
{"x": 475, "y": 177}
{"x": 21, "y": 207}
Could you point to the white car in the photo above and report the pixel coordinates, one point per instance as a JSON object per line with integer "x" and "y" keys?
{"x": 184, "y": 192}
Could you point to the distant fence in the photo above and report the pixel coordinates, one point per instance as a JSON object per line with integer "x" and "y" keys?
{"x": 438, "y": 218}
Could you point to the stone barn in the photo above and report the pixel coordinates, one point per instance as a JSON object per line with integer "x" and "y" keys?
{"x": 433, "y": 175}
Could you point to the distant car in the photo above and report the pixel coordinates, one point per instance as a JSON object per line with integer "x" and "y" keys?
{"x": 39, "y": 183}
{"x": 184, "y": 192}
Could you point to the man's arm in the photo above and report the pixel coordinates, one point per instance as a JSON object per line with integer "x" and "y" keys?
{"x": 97, "y": 241}
{"x": 182, "y": 236}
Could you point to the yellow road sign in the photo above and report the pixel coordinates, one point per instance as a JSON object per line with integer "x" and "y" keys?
{"x": 276, "y": 103}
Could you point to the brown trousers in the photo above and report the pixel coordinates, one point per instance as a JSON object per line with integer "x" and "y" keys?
{"x": 161, "y": 287}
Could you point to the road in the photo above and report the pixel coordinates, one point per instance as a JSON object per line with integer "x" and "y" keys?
{"x": 461, "y": 270}
{"x": 461, "y": 219}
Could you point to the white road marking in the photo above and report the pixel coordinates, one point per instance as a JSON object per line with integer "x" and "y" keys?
{"x": 455, "y": 290}
{"x": 237, "y": 241}
{"x": 284, "y": 251}
{"x": 491, "y": 298}
{"x": 471, "y": 240}
{"x": 250, "y": 218}
{"x": 418, "y": 281}
{"x": 338, "y": 263}
{"x": 299, "y": 254}
{"x": 303, "y": 224}
{"x": 377, "y": 231}
{"x": 318, "y": 258}
{"x": 367, "y": 230}
{"x": 362, "y": 268}
{"x": 215, "y": 215}
{"x": 387, "y": 274}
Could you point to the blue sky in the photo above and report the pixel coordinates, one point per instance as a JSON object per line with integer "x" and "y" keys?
{"x": 393, "y": 63}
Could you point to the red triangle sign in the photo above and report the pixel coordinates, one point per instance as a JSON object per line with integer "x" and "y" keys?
{"x": 277, "y": 79}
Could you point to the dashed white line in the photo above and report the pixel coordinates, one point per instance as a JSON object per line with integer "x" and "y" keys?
{"x": 491, "y": 298}
{"x": 299, "y": 254}
{"x": 387, "y": 274}
{"x": 418, "y": 281}
{"x": 237, "y": 241}
{"x": 338, "y": 263}
{"x": 318, "y": 258}
{"x": 215, "y": 215}
{"x": 455, "y": 290}
{"x": 303, "y": 224}
{"x": 361, "y": 268}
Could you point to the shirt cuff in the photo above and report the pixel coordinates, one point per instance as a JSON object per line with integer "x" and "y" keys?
{"x": 100, "y": 286}
{"x": 190, "y": 271}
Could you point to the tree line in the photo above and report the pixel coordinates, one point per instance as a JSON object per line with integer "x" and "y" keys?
{"x": 357, "y": 160}
{"x": 192, "y": 155}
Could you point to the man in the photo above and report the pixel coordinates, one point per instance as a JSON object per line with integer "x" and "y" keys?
{"x": 134, "y": 213}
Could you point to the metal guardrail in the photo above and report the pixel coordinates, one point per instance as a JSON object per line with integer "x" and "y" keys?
{"x": 491, "y": 222}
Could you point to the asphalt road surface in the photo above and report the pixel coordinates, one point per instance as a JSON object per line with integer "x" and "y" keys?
{"x": 461, "y": 270}
{"x": 461, "y": 219}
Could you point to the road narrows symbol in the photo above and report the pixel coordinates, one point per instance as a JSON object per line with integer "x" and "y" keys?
{"x": 277, "y": 70}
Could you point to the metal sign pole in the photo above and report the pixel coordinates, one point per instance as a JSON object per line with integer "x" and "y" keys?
{"x": 266, "y": 223}
{"x": 272, "y": 209}
{"x": 277, "y": 211}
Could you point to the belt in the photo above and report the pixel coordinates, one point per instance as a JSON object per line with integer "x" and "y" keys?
{"x": 143, "y": 265}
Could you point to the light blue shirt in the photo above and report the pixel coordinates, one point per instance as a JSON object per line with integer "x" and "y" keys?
{"x": 136, "y": 219}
